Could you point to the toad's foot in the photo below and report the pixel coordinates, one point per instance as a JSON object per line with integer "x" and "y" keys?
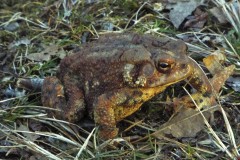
{"x": 69, "y": 102}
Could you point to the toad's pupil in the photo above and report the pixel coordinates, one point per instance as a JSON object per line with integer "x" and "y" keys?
{"x": 163, "y": 65}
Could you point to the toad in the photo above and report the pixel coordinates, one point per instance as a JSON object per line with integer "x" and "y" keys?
{"x": 110, "y": 78}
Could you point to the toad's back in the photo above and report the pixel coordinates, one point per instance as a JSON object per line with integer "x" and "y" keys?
{"x": 103, "y": 61}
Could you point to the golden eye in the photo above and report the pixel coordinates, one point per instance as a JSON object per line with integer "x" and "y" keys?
{"x": 164, "y": 66}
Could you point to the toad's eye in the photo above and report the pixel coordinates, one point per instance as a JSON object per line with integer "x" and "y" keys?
{"x": 164, "y": 66}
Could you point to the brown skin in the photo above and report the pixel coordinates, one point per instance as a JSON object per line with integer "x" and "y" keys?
{"x": 112, "y": 77}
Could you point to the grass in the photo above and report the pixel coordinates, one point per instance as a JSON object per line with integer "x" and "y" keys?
{"x": 26, "y": 131}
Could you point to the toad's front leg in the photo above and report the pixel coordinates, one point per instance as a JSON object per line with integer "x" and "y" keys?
{"x": 111, "y": 107}
{"x": 199, "y": 80}
{"x": 104, "y": 116}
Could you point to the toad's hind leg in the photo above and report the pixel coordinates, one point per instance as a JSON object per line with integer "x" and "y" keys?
{"x": 69, "y": 100}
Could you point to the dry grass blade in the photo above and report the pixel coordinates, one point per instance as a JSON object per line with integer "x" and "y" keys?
{"x": 17, "y": 16}
{"x": 232, "y": 11}
{"x": 230, "y": 132}
{"x": 232, "y": 48}
{"x": 27, "y": 143}
{"x": 84, "y": 145}
{"x": 182, "y": 145}
{"x": 64, "y": 128}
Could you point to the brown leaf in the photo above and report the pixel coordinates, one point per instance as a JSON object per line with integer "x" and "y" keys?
{"x": 198, "y": 19}
{"x": 220, "y": 73}
{"x": 186, "y": 123}
{"x": 219, "y": 79}
{"x": 214, "y": 61}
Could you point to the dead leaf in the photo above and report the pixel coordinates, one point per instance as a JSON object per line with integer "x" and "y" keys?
{"x": 26, "y": 133}
{"x": 45, "y": 55}
{"x": 219, "y": 79}
{"x": 186, "y": 123}
{"x": 219, "y": 14}
{"x": 234, "y": 82}
{"x": 214, "y": 61}
{"x": 10, "y": 92}
{"x": 23, "y": 41}
{"x": 13, "y": 26}
{"x": 219, "y": 72}
{"x": 196, "y": 21}
{"x": 180, "y": 10}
